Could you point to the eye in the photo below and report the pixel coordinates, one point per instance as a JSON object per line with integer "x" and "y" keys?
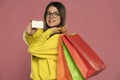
{"x": 48, "y": 13}
{"x": 56, "y": 13}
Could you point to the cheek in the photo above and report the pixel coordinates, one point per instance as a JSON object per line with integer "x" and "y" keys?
{"x": 58, "y": 21}
{"x": 47, "y": 20}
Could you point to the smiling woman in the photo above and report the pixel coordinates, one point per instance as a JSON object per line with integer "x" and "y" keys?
{"x": 43, "y": 43}
{"x": 52, "y": 17}
{"x": 55, "y": 15}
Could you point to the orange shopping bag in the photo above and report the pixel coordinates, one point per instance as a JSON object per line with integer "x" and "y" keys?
{"x": 63, "y": 72}
{"x": 87, "y": 61}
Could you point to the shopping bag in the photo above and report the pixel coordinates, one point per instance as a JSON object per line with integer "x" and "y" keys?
{"x": 85, "y": 58}
{"x": 63, "y": 72}
{"x": 75, "y": 72}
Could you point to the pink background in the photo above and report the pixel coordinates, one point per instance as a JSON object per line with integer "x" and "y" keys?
{"x": 97, "y": 21}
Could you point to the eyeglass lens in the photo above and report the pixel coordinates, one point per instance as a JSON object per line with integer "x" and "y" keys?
{"x": 54, "y": 14}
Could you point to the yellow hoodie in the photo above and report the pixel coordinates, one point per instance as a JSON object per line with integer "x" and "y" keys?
{"x": 44, "y": 50}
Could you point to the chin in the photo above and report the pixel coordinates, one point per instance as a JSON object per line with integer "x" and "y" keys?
{"x": 53, "y": 25}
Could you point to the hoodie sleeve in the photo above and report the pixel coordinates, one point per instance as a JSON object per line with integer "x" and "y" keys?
{"x": 29, "y": 39}
{"x": 45, "y": 45}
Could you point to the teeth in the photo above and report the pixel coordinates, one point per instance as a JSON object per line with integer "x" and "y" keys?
{"x": 51, "y": 21}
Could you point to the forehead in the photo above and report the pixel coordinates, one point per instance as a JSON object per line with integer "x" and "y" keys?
{"x": 52, "y": 9}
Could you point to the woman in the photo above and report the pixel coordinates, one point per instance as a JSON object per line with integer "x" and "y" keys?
{"x": 43, "y": 43}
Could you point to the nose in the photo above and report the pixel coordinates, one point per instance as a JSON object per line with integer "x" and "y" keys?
{"x": 51, "y": 15}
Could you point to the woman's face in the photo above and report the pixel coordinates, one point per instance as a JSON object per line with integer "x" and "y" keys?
{"x": 52, "y": 17}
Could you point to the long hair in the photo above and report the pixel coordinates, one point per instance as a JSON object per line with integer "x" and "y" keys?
{"x": 62, "y": 11}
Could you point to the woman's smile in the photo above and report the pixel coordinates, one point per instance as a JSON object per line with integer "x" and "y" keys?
{"x": 51, "y": 21}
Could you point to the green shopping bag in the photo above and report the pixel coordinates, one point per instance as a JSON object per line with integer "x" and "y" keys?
{"x": 75, "y": 73}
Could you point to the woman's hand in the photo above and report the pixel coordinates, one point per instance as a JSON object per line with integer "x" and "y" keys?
{"x": 59, "y": 29}
{"x": 30, "y": 31}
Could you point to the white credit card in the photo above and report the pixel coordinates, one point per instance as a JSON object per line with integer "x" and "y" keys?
{"x": 37, "y": 24}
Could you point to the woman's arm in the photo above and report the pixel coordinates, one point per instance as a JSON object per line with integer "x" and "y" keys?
{"x": 31, "y": 33}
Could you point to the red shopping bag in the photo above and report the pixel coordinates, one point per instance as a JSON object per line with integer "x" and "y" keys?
{"x": 63, "y": 72}
{"x": 87, "y": 61}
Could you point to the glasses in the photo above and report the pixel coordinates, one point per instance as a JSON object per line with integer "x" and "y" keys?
{"x": 54, "y": 14}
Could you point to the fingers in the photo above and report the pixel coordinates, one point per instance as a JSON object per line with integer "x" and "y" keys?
{"x": 29, "y": 29}
{"x": 60, "y": 29}
{"x": 64, "y": 29}
{"x": 56, "y": 30}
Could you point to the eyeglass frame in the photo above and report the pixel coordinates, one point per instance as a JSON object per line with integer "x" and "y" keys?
{"x": 54, "y": 14}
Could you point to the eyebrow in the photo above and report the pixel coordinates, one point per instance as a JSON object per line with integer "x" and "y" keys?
{"x": 53, "y": 12}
